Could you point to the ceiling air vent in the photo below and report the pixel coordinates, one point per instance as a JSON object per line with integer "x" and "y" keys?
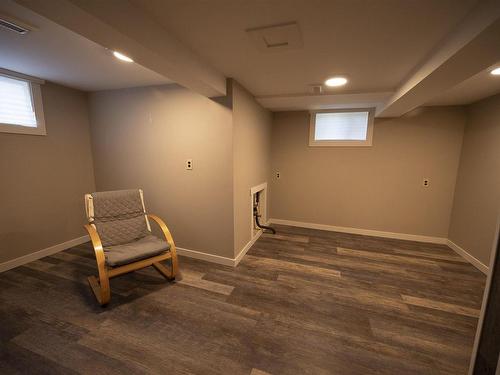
{"x": 14, "y": 25}
{"x": 277, "y": 37}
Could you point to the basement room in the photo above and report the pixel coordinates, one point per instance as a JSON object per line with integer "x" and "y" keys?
{"x": 250, "y": 187}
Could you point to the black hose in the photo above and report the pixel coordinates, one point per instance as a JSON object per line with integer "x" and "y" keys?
{"x": 256, "y": 215}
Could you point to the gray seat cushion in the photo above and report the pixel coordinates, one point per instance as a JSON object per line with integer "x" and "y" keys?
{"x": 119, "y": 217}
{"x": 145, "y": 247}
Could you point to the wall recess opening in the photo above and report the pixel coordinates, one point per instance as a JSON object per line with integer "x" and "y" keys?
{"x": 258, "y": 212}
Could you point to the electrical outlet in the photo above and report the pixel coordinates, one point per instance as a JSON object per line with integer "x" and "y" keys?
{"x": 278, "y": 175}
{"x": 426, "y": 182}
{"x": 189, "y": 164}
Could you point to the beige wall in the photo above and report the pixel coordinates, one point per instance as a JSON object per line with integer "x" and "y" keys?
{"x": 252, "y": 158}
{"x": 44, "y": 178}
{"x": 142, "y": 137}
{"x": 477, "y": 194}
{"x": 378, "y": 187}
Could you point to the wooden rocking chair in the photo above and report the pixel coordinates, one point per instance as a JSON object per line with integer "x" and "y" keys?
{"x": 120, "y": 232}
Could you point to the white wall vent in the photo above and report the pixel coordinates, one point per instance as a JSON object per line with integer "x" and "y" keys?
{"x": 14, "y": 25}
{"x": 277, "y": 37}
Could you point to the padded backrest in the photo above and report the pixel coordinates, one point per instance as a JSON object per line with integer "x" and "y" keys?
{"x": 119, "y": 216}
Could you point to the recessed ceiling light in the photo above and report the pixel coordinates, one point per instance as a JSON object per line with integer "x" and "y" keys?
{"x": 496, "y": 72}
{"x": 121, "y": 56}
{"x": 336, "y": 81}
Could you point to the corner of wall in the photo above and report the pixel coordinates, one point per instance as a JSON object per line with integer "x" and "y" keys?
{"x": 476, "y": 200}
{"x": 251, "y": 159}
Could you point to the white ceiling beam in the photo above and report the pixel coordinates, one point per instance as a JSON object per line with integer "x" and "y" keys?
{"x": 472, "y": 47}
{"x": 323, "y": 101}
{"x": 118, "y": 25}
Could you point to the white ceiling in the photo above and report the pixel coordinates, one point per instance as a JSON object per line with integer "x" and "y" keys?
{"x": 471, "y": 90}
{"x": 56, "y": 54}
{"x": 376, "y": 44}
{"x": 396, "y": 54}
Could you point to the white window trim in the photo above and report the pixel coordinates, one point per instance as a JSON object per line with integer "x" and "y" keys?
{"x": 339, "y": 143}
{"x": 36, "y": 97}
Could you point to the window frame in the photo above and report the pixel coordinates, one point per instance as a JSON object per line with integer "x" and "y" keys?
{"x": 36, "y": 102}
{"x": 342, "y": 143}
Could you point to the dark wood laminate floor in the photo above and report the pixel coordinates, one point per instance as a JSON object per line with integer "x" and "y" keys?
{"x": 301, "y": 302}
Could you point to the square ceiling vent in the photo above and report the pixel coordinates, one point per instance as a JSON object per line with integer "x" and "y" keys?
{"x": 277, "y": 37}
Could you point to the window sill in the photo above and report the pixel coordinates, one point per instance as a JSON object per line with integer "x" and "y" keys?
{"x": 313, "y": 143}
{"x": 19, "y": 129}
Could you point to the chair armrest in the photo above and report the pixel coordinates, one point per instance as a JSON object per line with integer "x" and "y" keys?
{"x": 170, "y": 240}
{"x": 164, "y": 229}
{"x": 97, "y": 244}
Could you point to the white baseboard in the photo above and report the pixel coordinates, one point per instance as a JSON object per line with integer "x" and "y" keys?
{"x": 80, "y": 240}
{"x": 365, "y": 232}
{"x": 247, "y": 247}
{"x": 470, "y": 258}
{"x": 42, "y": 253}
{"x": 235, "y": 261}
{"x": 205, "y": 256}
{"x": 399, "y": 236}
{"x": 226, "y": 261}
{"x": 217, "y": 258}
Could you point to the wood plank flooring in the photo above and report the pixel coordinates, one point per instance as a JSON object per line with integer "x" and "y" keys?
{"x": 302, "y": 302}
